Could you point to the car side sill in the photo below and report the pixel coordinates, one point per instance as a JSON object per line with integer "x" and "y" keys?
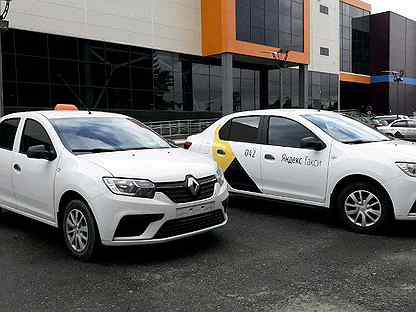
{"x": 30, "y": 216}
{"x": 277, "y": 200}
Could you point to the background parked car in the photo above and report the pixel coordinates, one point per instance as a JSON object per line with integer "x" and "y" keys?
{"x": 390, "y": 118}
{"x": 403, "y": 129}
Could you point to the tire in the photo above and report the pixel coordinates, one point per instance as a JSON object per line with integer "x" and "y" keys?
{"x": 82, "y": 241}
{"x": 364, "y": 208}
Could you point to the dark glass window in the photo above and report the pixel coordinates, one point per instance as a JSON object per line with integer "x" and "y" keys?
{"x": 8, "y": 129}
{"x": 354, "y": 39}
{"x": 400, "y": 124}
{"x": 286, "y": 132}
{"x": 34, "y": 134}
{"x": 324, "y": 9}
{"x": 323, "y": 89}
{"x": 244, "y": 129}
{"x": 277, "y": 23}
{"x": 324, "y": 51}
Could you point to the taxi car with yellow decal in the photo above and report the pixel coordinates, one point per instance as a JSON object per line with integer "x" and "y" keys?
{"x": 315, "y": 158}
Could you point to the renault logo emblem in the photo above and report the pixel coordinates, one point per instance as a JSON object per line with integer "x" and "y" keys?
{"x": 193, "y": 185}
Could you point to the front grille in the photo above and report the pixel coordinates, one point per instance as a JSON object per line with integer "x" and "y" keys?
{"x": 190, "y": 224}
{"x": 179, "y": 193}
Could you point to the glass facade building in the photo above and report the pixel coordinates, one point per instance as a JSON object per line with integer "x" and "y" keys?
{"x": 354, "y": 39}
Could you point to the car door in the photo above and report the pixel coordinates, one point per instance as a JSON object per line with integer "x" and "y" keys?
{"x": 238, "y": 153}
{"x": 8, "y": 130}
{"x": 411, "y": 128}
{"x": 399, "y": 129}
{"x": 288, "y": 170}
{"x": 33, "y": 179}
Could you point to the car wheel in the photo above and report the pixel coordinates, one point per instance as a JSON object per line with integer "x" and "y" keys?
{"x": 364, "y": 208}
{"x": 80, "y": 231}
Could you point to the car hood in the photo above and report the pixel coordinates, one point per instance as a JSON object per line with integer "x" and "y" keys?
{"x": 395, "y": 150}
{"x": 156, "y": 165}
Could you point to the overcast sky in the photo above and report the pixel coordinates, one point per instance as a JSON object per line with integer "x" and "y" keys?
{"x": 404, "y": 7}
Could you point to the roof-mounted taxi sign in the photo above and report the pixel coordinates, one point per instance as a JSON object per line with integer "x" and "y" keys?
{"x": 66, "y": 107}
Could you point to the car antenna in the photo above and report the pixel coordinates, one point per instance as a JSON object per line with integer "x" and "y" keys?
{"x": 74, "y": 93}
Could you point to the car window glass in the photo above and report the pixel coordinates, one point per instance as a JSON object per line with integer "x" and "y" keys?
{"x": 286, "y": 132}
{"x": 8, "y": 129}
{"x": 225, "y": 131}
{"x": 106, "y": 134}
{"x": 244, "y": 129}
{"x": 400, "y": 124}
{"x": 411, "y": 123}
{"x": 344, "y": 129}
{"x": 34, "y": 134}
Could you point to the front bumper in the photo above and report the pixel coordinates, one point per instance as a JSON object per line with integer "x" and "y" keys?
{"x": 110, "y": 209}
{"x": 402, "y": 191}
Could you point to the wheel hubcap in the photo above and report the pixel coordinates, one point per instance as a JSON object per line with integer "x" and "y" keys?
{"x": 76, "y": 229}
{"x": 363, "y": 208}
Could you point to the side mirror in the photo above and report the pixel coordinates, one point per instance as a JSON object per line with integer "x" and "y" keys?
{"x": 40, "y": 152}
{"x": 312, "y": 143}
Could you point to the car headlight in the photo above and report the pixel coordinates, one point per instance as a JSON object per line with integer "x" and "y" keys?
{"x": 130, "y": 187}
{"x": 408, "y": 168}
{"x": 220, "y": 176}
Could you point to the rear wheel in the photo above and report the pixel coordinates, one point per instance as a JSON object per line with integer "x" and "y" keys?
{"x": 80, "y": 231}
{"x": 363, "y": 207}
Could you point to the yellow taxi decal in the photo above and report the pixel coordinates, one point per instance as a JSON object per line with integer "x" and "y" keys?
{"x": 222, "y": 152}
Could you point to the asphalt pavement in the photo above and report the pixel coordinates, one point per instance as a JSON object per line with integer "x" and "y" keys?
{"x": 269, "y": 257}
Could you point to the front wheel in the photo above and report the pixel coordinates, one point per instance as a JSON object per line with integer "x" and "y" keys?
{"x": 363, "y": 207}
{"x": 79, "y": 230}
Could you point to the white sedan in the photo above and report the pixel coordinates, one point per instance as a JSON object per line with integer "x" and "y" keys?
{"x": 402, "y": 129}
{"x": 315, "y": 158}
{"x": 106, "y": 179}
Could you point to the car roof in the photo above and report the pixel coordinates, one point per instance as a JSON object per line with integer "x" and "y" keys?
{"x": 52, "y": 114}
{"x": 282, "y": 112}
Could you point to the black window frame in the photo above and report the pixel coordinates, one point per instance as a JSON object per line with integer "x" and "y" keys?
{"x": 52, "y": 148}
{"x": 17, "y": 129}
{"x": 324, "y": 9}
{"x": 228, "y": 129}
{"x": 324, "y": 51}
{"x": 267, "y": 132}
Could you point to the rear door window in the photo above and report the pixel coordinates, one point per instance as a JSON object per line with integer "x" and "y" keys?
{"x": 244, "y": 129}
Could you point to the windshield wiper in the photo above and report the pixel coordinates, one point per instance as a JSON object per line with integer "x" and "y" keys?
{"x": 94, "y": 150}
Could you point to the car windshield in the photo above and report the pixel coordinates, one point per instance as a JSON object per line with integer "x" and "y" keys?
{"x": 346, "y": 130}
{"x": 98, "y": 135}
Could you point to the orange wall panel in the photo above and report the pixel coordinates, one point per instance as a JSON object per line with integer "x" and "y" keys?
{"x": 354, "y": 78}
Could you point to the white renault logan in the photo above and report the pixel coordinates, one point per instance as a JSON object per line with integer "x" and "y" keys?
{"x": 106, "y": 178}
{"x": 318, "y": 159}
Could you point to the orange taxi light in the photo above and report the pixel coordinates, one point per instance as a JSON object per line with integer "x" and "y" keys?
{"x": 66, "y": 107}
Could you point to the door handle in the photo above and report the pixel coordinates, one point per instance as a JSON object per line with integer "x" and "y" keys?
{"x": 221, "y": 152}
{"x": 269, "y": 157}
{"x": 17, "y": 168}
